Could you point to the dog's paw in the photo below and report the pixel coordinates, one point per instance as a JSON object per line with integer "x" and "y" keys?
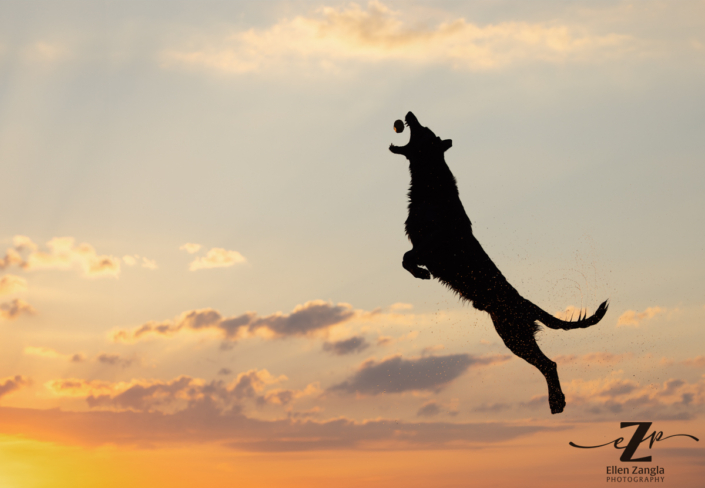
{"x": 422, "y": 273}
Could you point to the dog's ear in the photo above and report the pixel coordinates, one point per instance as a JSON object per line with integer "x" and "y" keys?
{"x": 447, "y": 144}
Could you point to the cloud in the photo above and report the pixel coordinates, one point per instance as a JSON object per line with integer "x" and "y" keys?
{"x": 46, "y": 352}
{"x": 388, "y": 341}
{"x": 631, "y": 317}
{"x": 224, "y": 372}
{"x": 15, "y": 308}
{"x": 536, "y": 401}
{"x": 102, "y": 358}
{"x": 432, "y": 349}
{"x": 397, "y": 375}
{"x": 165, "y": 396}
{"x": 204, "y": 422}
{"x": 217, "y": 258}
{"x": 379, "y": 34}
{"x": 500, "y": 407}
{"x": 132, "y": 260}
{"x": 12, "y": 284}
{"x": 11, "y": 257}
{"x": 347, "y": 346}
{"x": 9, "y": 385}
{"x": 307, "y": 319}
{"x": 22, "y": 243}
{"x": 400, "y": 307}
{"x": 698, "y": 362}
{"x": 113, "y": 360}
{"x": 248, "y": 384}
{"x": 285, "y": 397}
{"x": 62, "y": 254}
{"x": 190, "y": 247}
{"x": 429, "y": 409}
{"x": 673, "y": 399}
{"x": 593, "y": 358}
{"x": 384, "y": 340}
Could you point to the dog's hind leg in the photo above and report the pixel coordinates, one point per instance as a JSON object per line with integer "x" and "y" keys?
{"x": 518, "y": 336}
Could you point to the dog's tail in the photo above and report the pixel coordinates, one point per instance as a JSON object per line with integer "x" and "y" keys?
{"x": 583, "y": 321}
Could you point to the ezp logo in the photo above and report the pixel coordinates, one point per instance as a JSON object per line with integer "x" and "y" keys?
{"x": 639, "y": 436}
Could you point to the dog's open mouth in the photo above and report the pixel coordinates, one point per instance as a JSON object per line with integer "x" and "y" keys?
{"x": 410, "y": 119}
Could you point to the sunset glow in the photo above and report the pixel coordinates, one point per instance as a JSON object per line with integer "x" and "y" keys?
{"x": 203, "y": 231}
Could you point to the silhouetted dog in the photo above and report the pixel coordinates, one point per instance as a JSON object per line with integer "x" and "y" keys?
{"x": 441, "y": 234}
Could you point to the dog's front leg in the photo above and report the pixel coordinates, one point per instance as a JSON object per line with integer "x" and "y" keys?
{"x": 411, "y": 264}
{"x": 413, "y": 260}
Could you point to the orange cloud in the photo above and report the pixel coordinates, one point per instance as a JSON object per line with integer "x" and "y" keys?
{"x": 12, "y": 284}
{"x": 9, "y": 385}
{"x": 396, "y": 374}
{"x": 633, "y": 318}
{"x": 674, "y": 399}
{"x": 217, "y": 258}
{"x": 307, "y": 319}
{"x": 203, "y": 422}
{"x": 46, "y": 352}
{"x": 170, "y": 396}
{"x": 285, "y": 397}
{"x": 62, "y": 254}
{"x": 379, "y": 34}
{"x": 190, "y": 247}
{"x": 11, "y": 257}
{"x": 602, "y": 358}
{"x": 15, "y": 308}
{"x": 132, "y": 260}
{"x": 698, "y": 362}
{"x": 108, "y": 359}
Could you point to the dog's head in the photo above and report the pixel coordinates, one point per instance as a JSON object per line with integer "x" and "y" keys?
{"x": 422, "y": 142}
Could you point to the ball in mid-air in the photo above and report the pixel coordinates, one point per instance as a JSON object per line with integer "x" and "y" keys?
{"x": 398, "y": 126}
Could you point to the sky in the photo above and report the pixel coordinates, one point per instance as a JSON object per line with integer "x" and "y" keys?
{"x": 203, "y": 228}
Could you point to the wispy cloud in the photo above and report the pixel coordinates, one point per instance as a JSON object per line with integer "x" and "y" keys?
{"x": 108, "y": 359}
{"x": 379, "y": 34}
{"x": 286, "y": 397}
{"x": 133, "y": 260}
{"x": 169, "y": 396}
{"x": 347, "y": 346}
{"x": 190, "y": 247}
{"x": 217, "y": 258}
{"x": 9, "y": 385}
{"x": 113, "y": 360}
{"x": 433, "y": 408}
{"x": 675, "y": 398}
{"x": 62, "y": 253}
{"x": 307, "y": 319}
{"x": 203, "y": 421}
{"x": 593, "y": 358}
{"x": 696, "y": 362}
{"x": 12, "y": 284}
{"x": 15, "y": 308}
{"x": 397, "y": 375}
{"x": 634, "y": 318}
{"x": 46, "y": 352}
